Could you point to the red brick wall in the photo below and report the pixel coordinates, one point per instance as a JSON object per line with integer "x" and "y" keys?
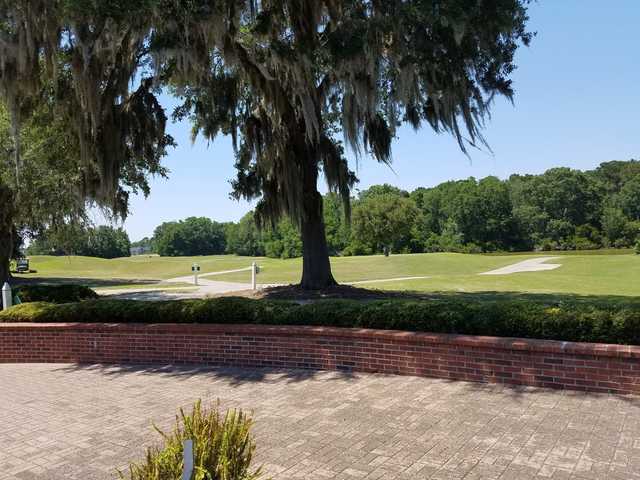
{"x": 579, "y": 366}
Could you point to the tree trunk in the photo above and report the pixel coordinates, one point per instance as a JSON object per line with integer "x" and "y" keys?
{"x": 6, "y": 232}
{"x": 6, "y": 240}
{"x": 4, "y": 269}
{"x": 316, "y": 268}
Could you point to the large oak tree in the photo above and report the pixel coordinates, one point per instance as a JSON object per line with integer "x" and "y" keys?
{"x": 291, "y": 80}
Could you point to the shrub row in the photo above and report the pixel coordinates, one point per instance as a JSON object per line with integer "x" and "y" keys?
{"x": 570, "y": 321}
{"x": 54, "y": 293}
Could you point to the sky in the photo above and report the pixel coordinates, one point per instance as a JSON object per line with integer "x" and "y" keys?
{"x": 576, "y": 105}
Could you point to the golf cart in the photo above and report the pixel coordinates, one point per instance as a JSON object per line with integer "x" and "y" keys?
{"x": 22, "y": 265}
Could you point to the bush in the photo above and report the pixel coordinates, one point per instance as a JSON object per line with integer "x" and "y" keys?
{"x": 222, "y": 448}
{"x": 54, "y": 293}
{"x": 637, "y": 247}
{"x": 570, "y": 321}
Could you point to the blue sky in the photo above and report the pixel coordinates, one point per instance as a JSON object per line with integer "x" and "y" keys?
{"x": 577, "y": 104}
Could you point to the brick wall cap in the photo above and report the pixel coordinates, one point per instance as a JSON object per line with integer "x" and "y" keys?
{"x": 503, "y": 343}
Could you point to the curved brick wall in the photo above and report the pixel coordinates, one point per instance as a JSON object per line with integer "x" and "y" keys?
{"x": 579, "y": 366}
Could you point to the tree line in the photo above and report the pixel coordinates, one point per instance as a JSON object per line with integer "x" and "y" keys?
{"x": 77, "y": 239}
{"x": 561, "y": 209}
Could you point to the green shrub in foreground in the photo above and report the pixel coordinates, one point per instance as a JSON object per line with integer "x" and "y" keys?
{"x": 222, "y": 448}
{"x": 637, "y": 247}
{"x": 570, "y": 321}
{"x": 54, "y": 293}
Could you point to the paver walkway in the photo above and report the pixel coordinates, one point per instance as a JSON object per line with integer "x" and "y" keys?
{"x": 80, "y": 422}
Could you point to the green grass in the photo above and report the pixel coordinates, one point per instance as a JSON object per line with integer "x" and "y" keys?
{"x": 141, "y": 267}
{"x": 580, "y": 274}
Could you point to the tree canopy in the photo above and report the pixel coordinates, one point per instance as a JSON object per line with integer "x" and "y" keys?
{"x": 284, "y": 77}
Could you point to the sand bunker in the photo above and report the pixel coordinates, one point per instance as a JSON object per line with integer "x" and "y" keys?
{"x": 533, "y": 265}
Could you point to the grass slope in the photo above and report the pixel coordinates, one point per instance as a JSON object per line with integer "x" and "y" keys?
{"x": 580, "y": 274}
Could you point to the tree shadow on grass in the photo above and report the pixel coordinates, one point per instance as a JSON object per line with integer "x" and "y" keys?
{"x": 294, "y": 292}
{"x": 89, "y": 282}
{"x": 234, "y": 375}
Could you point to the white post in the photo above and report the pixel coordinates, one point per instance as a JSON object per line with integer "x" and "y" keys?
{"x": 195, "y": 268}
{"x": 253, "y": 276}
{"x": 7, "y": 297}
{"x": 187, "y": 459}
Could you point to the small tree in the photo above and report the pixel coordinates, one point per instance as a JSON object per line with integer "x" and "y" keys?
{"x": 244, "y": 238}
{"x": 384, "y": 221}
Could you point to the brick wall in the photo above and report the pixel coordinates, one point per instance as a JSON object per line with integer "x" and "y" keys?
{"x": 579, "y": 366}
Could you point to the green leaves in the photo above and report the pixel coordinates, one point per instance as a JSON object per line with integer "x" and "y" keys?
{"x": 579, "y": 320}
{"x": 222, "y": 448}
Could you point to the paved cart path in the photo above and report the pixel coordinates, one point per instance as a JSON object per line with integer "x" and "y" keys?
{"x": 532, "y": 265}
{"x": 81, "y": 422}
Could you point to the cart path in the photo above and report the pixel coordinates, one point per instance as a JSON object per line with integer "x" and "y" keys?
{"x": 531, "y": 265}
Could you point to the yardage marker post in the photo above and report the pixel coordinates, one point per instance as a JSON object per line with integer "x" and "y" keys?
{"x": 195, "y": 268}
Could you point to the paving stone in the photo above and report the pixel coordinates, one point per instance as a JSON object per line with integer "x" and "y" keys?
{"x": 82, "y": 422}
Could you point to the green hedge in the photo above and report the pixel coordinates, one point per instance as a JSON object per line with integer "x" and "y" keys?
{"x": 571, "y": 321}
{"x": 54, "y": 293}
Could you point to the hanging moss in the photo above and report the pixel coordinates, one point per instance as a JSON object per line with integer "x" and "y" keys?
{"x": 283, "y": 77}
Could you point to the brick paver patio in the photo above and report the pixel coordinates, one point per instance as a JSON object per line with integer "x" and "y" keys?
{"x": 81, "y": 422}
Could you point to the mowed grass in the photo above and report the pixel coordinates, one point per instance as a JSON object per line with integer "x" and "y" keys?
{"x": 579, "y": 274}
{"x": 602, "y": 275}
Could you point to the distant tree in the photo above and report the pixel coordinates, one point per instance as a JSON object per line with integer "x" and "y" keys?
{"x": 336, "y": 224}
{"x": 629, "y": 198}
{"x": 192, "y": 236}
{"x": 431, "y": 202}
{"x": 78, "y": 239}
{"x": 384, "y": 220}
{"x": 482, "y": 212}
{"x": 548, "y": 207}
{"x": 611, "y": 176}
{"x": 614, "y": 225}
{"x": 244, "y": 238}
{"x": 64, "y": 239}
{"x": 282, "y": 241}
{"x": 108, "y": 242}
{"x": 377, "y": 190}
{"x": 448, "y": 240}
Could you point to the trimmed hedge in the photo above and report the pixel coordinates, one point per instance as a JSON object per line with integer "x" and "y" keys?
{"x": 54, "y": 293}
{"x": 579, "y": 321}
